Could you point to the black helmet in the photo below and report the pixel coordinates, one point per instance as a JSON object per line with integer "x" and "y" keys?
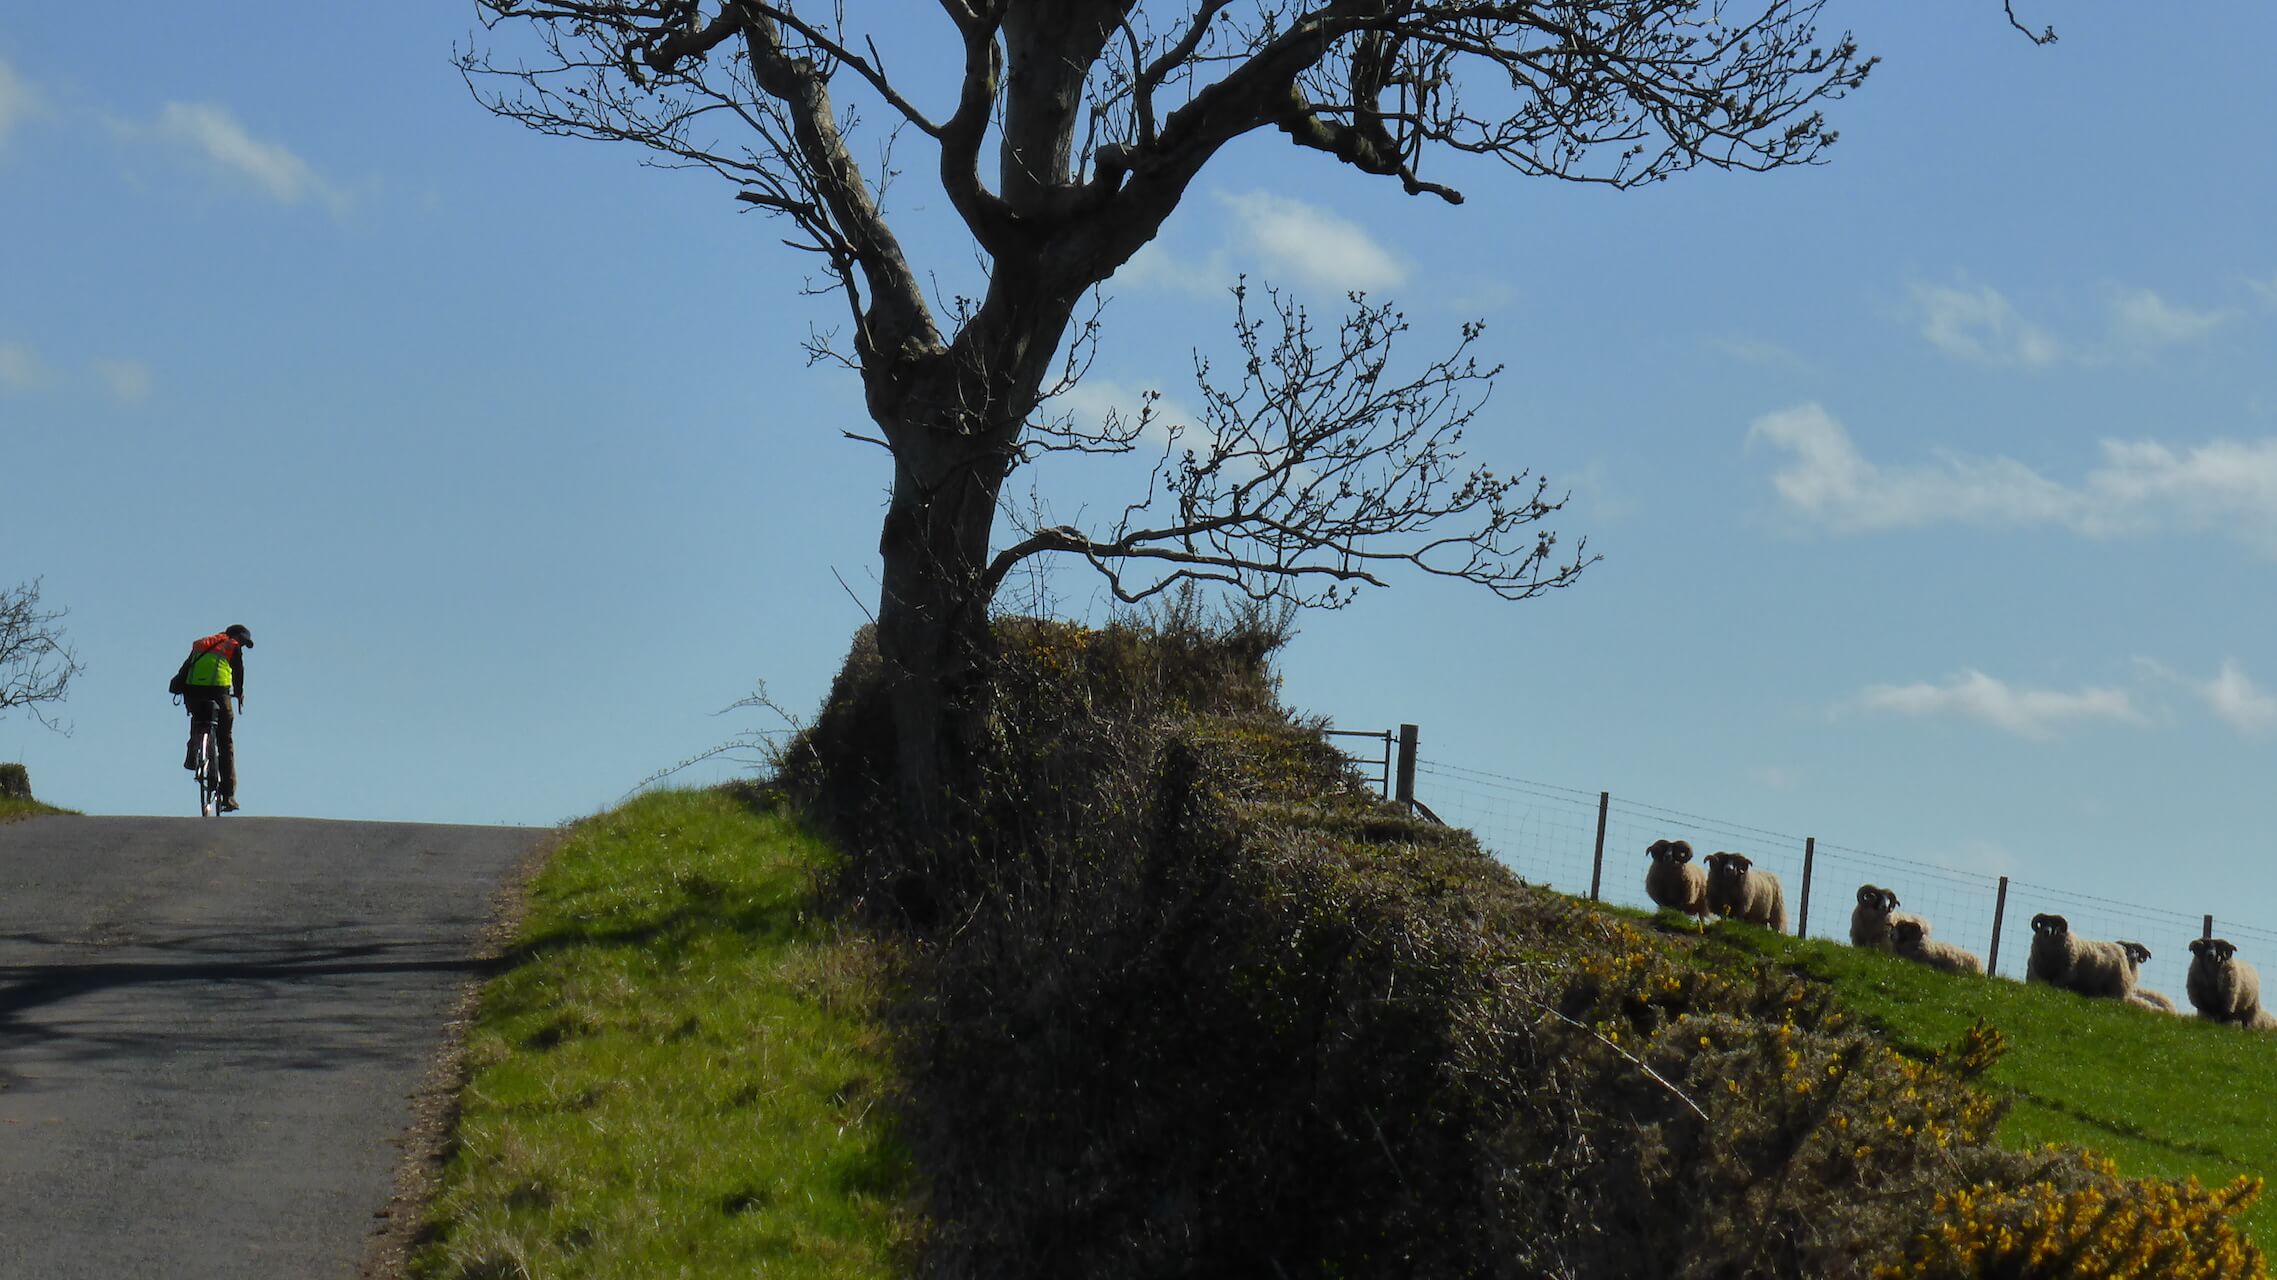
{"x": 238, "y": 633}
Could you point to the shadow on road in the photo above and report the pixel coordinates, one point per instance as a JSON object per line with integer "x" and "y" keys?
{"x": 260, "y": 997}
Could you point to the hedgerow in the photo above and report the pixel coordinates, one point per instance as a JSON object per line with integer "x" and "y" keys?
{"x": 1200, "y": 1003}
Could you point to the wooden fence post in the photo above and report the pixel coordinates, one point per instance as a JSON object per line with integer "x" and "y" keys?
{"x": 1803, "y": 920}
{"x": 2209, "y": 928}
{"x": 1999, "y": 912}
{"x": 1597, "y": 870}
{"x": 1408, "y": 734}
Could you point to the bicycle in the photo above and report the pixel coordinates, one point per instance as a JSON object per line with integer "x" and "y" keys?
{"x": 208, "y": 755}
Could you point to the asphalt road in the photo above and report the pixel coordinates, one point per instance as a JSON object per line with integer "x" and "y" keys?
{"x": 211, "y": 1029}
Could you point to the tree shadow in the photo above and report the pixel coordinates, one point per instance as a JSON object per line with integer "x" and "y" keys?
{"x": 260, "y": 997}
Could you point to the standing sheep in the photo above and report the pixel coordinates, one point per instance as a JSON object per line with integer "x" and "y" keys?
{"x": 2063, "y": 959}
{"x": 1673, "y": 881}
{"x": 2224, "y": 988}
{"x": 1875, "y": 915}
{"x": 1910, "y": 939}
{"x": 1735, "y": 888}
{"x": 1870, "y": 919}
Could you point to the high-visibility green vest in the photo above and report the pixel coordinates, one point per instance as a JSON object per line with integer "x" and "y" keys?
{"x": 211, "y": 658}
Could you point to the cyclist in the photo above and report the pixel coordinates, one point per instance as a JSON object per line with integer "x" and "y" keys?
{"x": 213, "y": 672}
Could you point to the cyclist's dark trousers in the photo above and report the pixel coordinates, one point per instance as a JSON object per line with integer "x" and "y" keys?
{"x": 211, "y": 707}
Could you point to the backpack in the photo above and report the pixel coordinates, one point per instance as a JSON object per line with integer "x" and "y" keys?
{"x": 180, "y": 684}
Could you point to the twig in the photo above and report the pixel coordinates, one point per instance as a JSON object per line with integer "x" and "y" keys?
{"x": 2046, "y": 35}
{"x": 1655, "y": 1076}
{"x": 855, "y": 598}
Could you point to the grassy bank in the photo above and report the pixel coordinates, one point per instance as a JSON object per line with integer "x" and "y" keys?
{"x": 679, "y": 1075}
{"x": 2164, "y": 1096}
{"x": 12, "y": 807}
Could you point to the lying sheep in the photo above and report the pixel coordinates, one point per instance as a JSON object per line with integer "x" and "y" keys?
{"x": 2091, "y": 968}
{"x": 1673, "y": 881}
{"x": 1910, "y": 939}
{"x": 1874, "y": 916}
{"x": 2150, "y": 999}
{"x": 2224, "y": 988}
{"x": 2139, "y": 955}
{"x": 1735, "y": 888}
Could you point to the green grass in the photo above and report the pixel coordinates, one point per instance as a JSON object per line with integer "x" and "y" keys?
{"x": 2164, "y": 1096}
{"x": 12, "y": 807}
{"x": 681, "y": 1074}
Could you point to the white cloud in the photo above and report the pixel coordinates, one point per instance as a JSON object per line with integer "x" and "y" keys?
{"x": 2028, "y": 713}
{"x": 2237, "y": 699}
{"x": 2222, "y": 483}
{"x": 2142, "y": 319}
{"x": 211, "y": 133}
{"x": 1094, "y": 400}
{"x": 20, "y": 368}
{"x": 1156, "y": 267}
{"x": 1832, "y": 482}
{"x": 1760, "y": 352}
{"x": 2226, "y": 486}
{"x": 128, "y": 380}
{"x": 1274, "y": 240}
{"x": 19, "y": 101}
{"x": 1981, "y": 326}
{"x": 1315, "y": 245}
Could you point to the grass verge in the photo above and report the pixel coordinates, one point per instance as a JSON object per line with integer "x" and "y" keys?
{"x": 2163, "y": 1095}
{"x": 680, "y": 1074}
{"x": 13, "y": 807}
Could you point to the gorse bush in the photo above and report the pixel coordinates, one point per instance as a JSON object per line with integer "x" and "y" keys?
{"x": 1202, "y": 1004}
{"x": 2151, "y": 1229}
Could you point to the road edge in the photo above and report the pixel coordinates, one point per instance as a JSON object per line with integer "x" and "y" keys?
{"x": 425, "y": 1144}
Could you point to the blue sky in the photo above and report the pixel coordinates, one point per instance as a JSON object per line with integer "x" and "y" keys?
{"x": 1936, "y": 486}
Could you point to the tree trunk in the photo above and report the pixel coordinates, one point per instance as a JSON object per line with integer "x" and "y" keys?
{"x": 933, "y": 632}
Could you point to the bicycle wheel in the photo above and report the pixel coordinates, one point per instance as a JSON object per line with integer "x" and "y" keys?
{"x": 209, "y": 777}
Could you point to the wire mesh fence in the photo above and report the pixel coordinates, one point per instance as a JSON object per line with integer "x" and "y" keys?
{"x": 1548, "y": 835}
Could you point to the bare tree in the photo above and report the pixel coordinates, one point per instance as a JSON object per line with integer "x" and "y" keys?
{"x": 1310, "y": 474}
{"x": 36, "y": 665}
{"x": 1100, "y": 114}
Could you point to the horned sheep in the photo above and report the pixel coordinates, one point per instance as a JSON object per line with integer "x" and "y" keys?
{"x": 1875, "y": 915}
{"x": 1910, "y": 939}
{"x": 2086, "y": 966}
{"x": 1736, "y": 888}
{"x": 2139, "y": 955}
{"x": 1674, "y": 881}
{"x": 2223, "y": 988}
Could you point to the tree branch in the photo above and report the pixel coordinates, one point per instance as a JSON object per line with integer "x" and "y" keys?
{"x": 1315, "y": 471}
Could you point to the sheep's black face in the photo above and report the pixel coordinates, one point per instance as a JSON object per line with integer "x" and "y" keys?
{"x": 2050, "y": 926}
{"x": 1907, "y": 932}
